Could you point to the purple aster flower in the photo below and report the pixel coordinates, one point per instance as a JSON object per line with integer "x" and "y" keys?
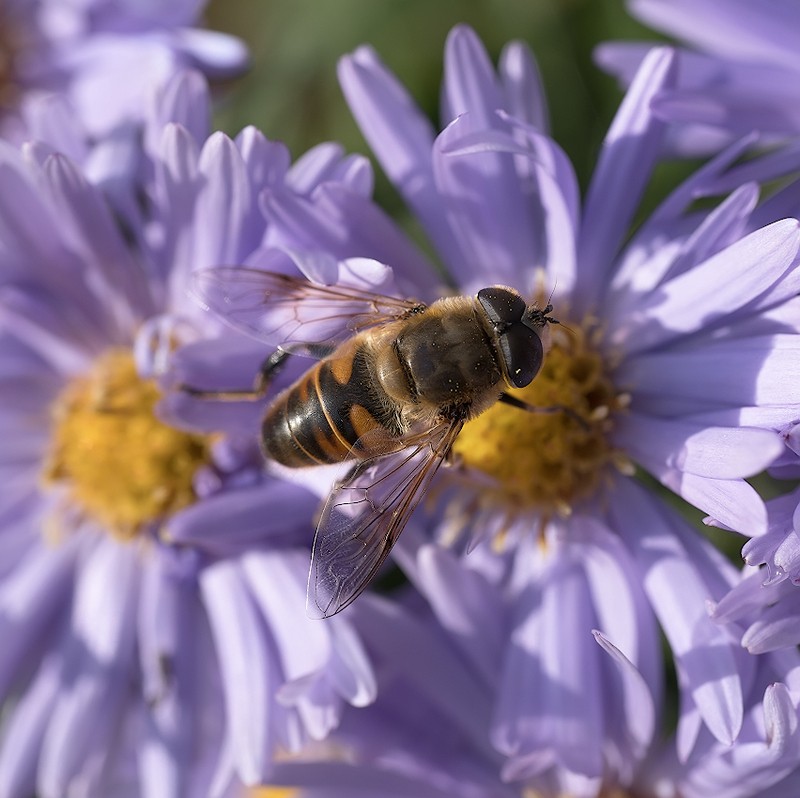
{"x": 138, "y": 657}
{"x": 104, "y": 55}
{"x": 738, "y": 73}
{"x": 672, "y": 359}
{"x": 765, "y": 604}
{"x": 426, "y": 733}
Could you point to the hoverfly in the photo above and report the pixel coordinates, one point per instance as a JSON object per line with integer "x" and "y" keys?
{"x": 394, "y": 384}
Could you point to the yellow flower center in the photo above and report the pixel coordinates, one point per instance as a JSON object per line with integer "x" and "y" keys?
{"x": 550, "y": 460}
{"x": 119, "y": 464}
{"x": 274, "y": 792}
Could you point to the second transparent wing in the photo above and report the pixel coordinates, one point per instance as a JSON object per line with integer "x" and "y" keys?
{"x": 278, "y": 308}
{"x": 365, "y": 514}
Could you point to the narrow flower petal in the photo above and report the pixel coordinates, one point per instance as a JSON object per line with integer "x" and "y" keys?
{"x": 236, "y": 520}
{"x": 266, "y": 162}
{"x": 168, "y": 642}
{"x": 429, "y": 663}
{"x": 470, "y": 84}
{"x": 31, "y": 598}
{"x": 333, "y": 223}
{"x": 497, "y": 229}
{"x": 737, "y": 28}
{"x": 183, "y": 101}
{"x": 96, "y": 668}
{"x": 776, "y": 628}
{"x": 750, "y": 595}
{"x": 757, "y": 371}
{"x": 351, "y": 671}
{"x": 522, "y": 86}
{"x": 704, "y": 655}
{"x": 719, "y": 287}
{"x": 229, "y": 231}
{"x": 176, "y": 184}
{"x": 27, "y": 220}
{"x": 221, "y": 55}
{"x": 723, "y": 226}
{"x": 715, "y": 452}
{"x": 401, "y": 137}
{"x": 623, "y": 168}
{"x": 636, "y": 701}
{"x": 277, "y": 580}
{"x": 619, "y": 601}
{"x": 466, "y": 605}
{"x": 314, "y": 167}
{"x": 549, "y": 701}
{"x": 25, "y": 730}
{"x": 734, "y": 107}
{"x": 375, "y": 235}
{"x": 249, "y": 677}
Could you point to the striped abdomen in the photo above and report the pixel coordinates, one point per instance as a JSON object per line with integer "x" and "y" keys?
{"x": 318, "y": 420}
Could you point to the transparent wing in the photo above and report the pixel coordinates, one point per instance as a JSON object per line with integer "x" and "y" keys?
{"x": 365, "y": 514}
{"x": 278, "y": 308}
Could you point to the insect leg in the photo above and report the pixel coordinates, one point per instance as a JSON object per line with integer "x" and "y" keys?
{"x": 507, "y": 399}
{"x": 267, "y": 371}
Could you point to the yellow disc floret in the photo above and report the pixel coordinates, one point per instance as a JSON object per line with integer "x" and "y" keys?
{"x": 551, "y": 459}
{"x": 118, "y": 463}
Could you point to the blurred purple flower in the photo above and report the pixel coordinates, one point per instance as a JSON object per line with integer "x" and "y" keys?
{"x": 678, "y": 355}
{"x": 138, "y": 657}
{"x": 739, "y": 73}
{"x": 426, "y": 733}
{"x": 104, "y": 55}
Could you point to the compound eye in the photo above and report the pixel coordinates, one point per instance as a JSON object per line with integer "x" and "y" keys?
{"x": 501, "y": 305}
{"x": 522, "y": 353}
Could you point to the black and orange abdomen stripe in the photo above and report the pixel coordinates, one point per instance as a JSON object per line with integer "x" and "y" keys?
{"x": 319, "y": 419}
